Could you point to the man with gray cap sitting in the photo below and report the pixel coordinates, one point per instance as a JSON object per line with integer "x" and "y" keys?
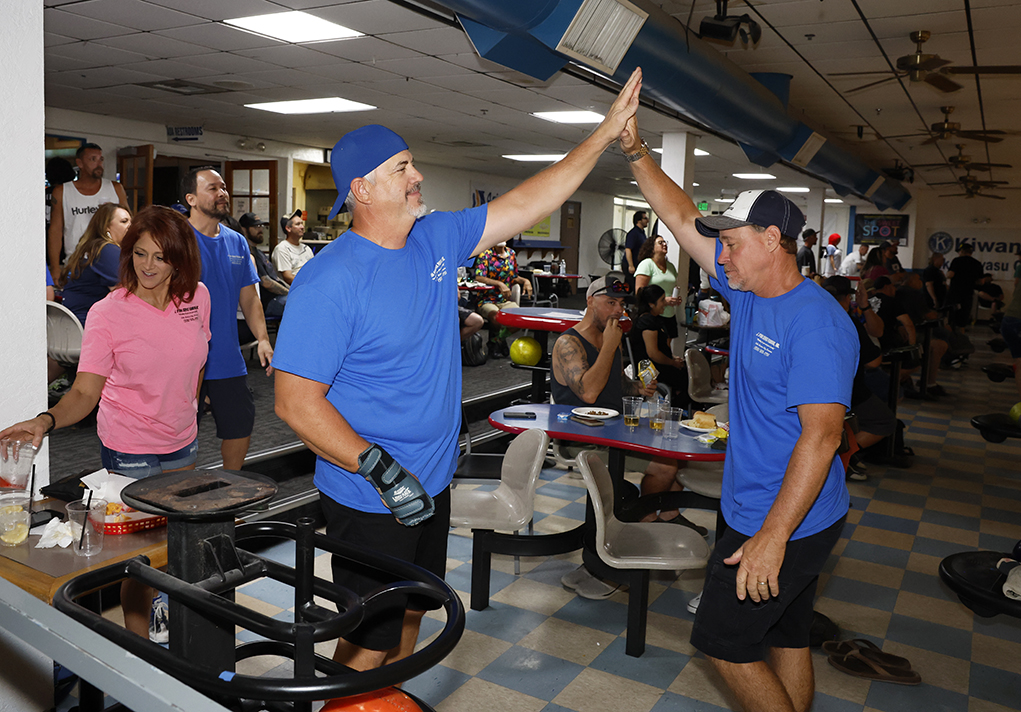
{"x": 273, "y": 289}
{"x": 368, "y": 366}
{"x": 291, "y": 255}
{"x": 793, "y": 355}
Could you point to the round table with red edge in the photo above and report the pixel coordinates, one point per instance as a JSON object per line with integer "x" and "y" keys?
{"x": 541, "y": 321}
{"x": 620, "y": 439}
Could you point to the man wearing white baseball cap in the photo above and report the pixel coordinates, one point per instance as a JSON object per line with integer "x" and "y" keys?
{"x": 368, "y": 358}
{"x": 793, "y": 354}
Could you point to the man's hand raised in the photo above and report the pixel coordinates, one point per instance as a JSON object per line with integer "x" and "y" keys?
{"x": 624, "y": 107}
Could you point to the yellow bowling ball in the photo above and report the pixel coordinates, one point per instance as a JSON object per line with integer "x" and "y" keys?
{"x": 525, "y": 351}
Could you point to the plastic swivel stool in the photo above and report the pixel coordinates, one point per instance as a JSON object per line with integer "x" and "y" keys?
{"x": 996, "y": 427}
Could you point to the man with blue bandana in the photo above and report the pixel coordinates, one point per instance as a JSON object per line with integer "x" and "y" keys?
{"x": 367, "y": 358}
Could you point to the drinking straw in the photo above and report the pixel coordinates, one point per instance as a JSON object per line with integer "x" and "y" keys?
{"x": 88, "y": 509}
{"x": 31, "y": 490}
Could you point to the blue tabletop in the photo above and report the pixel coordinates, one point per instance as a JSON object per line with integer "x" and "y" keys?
{"x": 613, "y": 433}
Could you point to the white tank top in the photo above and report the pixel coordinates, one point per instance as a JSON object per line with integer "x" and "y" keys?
{"x": 79, "y": 209}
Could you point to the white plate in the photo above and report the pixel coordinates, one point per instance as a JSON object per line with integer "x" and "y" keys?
{"x": 690, "y": 425}
{"x": 597, "y": 413}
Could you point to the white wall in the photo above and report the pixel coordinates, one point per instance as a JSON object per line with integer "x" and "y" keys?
{"x": 992, "y": 225}
{"x": 24, "y": 671}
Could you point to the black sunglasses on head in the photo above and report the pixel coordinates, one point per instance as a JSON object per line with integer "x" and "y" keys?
{"x": 615, "y": 287}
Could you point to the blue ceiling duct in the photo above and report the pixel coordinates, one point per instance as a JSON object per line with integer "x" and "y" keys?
{"x": 538, "y": 37}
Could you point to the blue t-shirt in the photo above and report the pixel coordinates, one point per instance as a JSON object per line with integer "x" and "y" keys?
{"x": 226, "y": 270}
{"x": 93, "y": 282}
{"x": 798, "y": 348}
{"x": 380, "y": 328}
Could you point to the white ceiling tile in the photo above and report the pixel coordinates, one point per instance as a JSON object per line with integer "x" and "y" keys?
{"x": 228, "y": 62}
{"x": 422, "y": 67}
{"x": 81, "y": 28}
{"x": 218, "y": 36}
{"x": 170, "y": 69}
{"x": 154, "y": 46}
{"x": 290, "y": 55}
{"x": 226, "y": 9}
{"x": 103, "y": 76}
{"x": 285, "y": 77}
{"x": 96, "y": 54}
{"x": 54, "y": 40}
{"x": 342, "y": 71}
{"x": 438, "y": 41}
{"x": 366, "y": 49}
{"x": 137, "y": 14}
{"x": 375, "y": 17}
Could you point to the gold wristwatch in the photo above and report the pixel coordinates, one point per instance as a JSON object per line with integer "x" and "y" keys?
{"x": 643, "y": 150}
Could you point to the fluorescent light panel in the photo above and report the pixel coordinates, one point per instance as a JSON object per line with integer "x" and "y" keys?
{"x": 326, "y": 105}
{"x": 754, "y": 176}
{"x": 293, "y": 27}
{"x": 537, "y": 157}
{"x": 570, "y": 117}
{"x": 794, "y": 189}
{"x": 724, "y": 200}
{"x": 698, "y": 151}
{"x": 832, "y": 200}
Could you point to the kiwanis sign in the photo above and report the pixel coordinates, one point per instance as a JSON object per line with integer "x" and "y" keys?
{"x": 998, "y": 254}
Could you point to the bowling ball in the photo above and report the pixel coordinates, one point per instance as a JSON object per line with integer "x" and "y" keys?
{"x": 1015, "y": 412}
{"x": 389, "y": 699}
{"x": 525, "y": 351}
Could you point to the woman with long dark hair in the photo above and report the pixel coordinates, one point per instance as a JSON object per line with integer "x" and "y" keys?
{"x": 873, "y": 267}
{"x": 655, "y": 268}
{"x": 650, "y": 339}
{"x": 143, "y": 354}
{"x": 91, "y": 272}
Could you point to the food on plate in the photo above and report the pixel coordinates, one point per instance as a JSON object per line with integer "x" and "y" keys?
{"x": 701, "y": 419}
{"x": 597, "y": 412}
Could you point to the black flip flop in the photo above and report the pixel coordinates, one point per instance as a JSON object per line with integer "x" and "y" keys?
{"x": 858, "y": 665}
{"x": 867, "y": 648}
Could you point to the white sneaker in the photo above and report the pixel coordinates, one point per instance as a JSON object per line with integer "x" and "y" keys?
{"x": 158, "y": 630}
{"x": 693, "y": 603}
{"x": 571, "y": 579}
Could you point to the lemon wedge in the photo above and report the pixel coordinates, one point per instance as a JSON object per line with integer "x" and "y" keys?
{"x": 16, "y": 535}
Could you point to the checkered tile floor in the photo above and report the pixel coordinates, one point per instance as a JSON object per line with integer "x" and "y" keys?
{"x": 539, "y": 647}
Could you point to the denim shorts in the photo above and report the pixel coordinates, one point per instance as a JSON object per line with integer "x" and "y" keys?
{"x": 139, "y": 466}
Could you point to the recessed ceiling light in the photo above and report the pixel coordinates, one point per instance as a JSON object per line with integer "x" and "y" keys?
{"x": 698, "y": 151}
{"x": 754, "y": 176}
{"x": 794, "y": 189}
{"x": 326, "y": 105}
{"x": 570, "y": 117}
{"x": 538, "y": 157}
{"x": 293, "y": 27}
{"x": 724, "y": 200}
{"x": 832, "y": 200}
{"x": 694, "y": 185}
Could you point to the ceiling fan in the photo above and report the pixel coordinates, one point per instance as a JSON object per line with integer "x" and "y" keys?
{"x": 973, "y": 191}
{"x": 929, "y": 68}
{"x": 973, "y": 186}
{"x": 963, "y": 161}
{"x": 945, "y": 129}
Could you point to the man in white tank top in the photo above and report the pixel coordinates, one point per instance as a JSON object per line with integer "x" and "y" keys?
{"x": 74, "y": 203}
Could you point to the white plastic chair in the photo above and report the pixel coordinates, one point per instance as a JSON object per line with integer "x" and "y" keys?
{"x": 508, "y": 508}
{"x": 627, "y": 551}
{"x": 700, "y": 386}
{"x": 63, "y": 334}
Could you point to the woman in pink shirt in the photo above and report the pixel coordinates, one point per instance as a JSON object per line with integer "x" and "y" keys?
{"x": 143, "y": 353}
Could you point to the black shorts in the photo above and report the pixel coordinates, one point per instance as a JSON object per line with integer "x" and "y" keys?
{"x": 424, "y": 545}
{"x": 743, "y": 631}
{"x": 875, "y": 417}
{"x": 233, "y": 405}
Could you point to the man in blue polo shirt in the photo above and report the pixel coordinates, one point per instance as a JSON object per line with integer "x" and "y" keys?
{"x": 793, "y": 355}
{"x": 367, "y": 361}
{"x": 228, "y": 273}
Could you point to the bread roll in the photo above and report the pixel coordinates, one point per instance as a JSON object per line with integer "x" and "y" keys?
{"x": 703, "y": 419}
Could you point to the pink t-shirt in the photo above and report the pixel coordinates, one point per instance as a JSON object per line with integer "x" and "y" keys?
{"x": 151, "y": 361}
